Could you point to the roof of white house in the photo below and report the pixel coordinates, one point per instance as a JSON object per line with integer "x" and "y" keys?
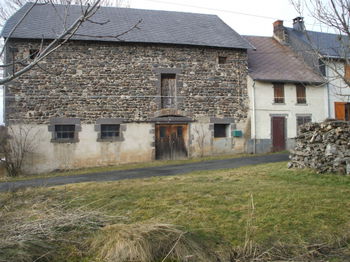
{"x": 274, "y": 62}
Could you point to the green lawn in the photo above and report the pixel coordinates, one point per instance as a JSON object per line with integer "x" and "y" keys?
{"x": 268, "y": 204}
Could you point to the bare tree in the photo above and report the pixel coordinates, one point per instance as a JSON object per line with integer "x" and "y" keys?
{"x": 334, "y": 15}
{"x": 16, "y": 145}
{"x": 88, "y": 9}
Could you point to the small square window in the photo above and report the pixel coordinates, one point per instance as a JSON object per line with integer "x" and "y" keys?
{"x": 221, "y": 130}
{"x": 222, "y": 60}
{"x": 110, "y": 131}
{"x": 64, "y": 131}
{"x": 33, "y": 53}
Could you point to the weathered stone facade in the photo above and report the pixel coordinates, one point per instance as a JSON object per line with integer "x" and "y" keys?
{"x": 92, "y": 80}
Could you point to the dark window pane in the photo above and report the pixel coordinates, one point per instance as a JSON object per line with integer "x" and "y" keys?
{"x": 347, "y": 111}
{"x": 322, "y": 67}
{"x": 110, "y": 131}
{"x": 179, "y": 131}
{"x": 33, "y": 53}
{"x": 220, "y": 130}
{"x": 162, "y": 131}
{"x": 222, "y": 59}
{"x": 64, "y": 131}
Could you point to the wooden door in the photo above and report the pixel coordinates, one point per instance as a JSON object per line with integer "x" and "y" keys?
{"x": 168, "y": 86}
{"x": 278, "y": 133}
{"x": 170, "y": 141}
{"x": 339, "y": 108}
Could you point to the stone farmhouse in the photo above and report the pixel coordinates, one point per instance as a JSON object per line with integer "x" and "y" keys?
{"x": 284, "y": 93}
{"x": 174, "y": 87}
{"x": 325, "y": 53}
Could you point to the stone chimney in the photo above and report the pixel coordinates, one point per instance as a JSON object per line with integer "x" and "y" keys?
{"x": 279, "y": 33}
{"x": 298, "y": 24}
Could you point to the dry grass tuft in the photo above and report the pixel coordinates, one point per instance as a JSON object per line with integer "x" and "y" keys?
{"x": 147, "y": 243}
{"x": 37, "y": 229}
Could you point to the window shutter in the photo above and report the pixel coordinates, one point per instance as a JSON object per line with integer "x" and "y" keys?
{"x": 339, "y": 110}
{"x": 347, "y": 72}
{"x": 301, "y": 94}
{"x": 278, "y": 93}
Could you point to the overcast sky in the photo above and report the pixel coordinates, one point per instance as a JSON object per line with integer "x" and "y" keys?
{"x": 247, "y": 17}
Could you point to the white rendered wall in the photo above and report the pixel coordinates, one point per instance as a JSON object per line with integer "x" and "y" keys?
{"x": 265, "y": 107}
{"x": 338, "y": 90}
{"x": 48, "y": 156}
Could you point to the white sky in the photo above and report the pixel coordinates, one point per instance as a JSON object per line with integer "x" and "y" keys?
{"x": 247, "y": 17}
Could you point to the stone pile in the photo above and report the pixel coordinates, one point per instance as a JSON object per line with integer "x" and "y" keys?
{"x": 323, "y": 146}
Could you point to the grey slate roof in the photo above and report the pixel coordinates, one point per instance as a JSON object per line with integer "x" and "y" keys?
{"x": 329, "y": 45}
{"x": 156, "y": 27}
{"x": 274, "y": 62}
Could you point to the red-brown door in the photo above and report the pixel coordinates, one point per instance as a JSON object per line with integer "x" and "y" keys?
{"x": 170, "y": 141}
{"x": 278, "y": 133}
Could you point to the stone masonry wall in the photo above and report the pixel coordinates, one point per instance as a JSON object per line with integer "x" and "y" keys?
{"x": 323, "y": 146}
{"x": 91, "y": 80}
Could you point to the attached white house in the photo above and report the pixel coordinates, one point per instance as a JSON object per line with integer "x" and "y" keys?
{"x": 284, "y": 93}
{"x": 325, "y": 53}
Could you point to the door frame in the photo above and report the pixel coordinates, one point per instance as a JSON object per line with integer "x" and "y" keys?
{"x": 285, "y": 116}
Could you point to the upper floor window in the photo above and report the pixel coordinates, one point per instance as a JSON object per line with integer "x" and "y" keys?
{"x": 222, "y": 60}
{"x": 322, "y": 67}
{"x": 301, "y": 94}
{"x": 168, "y": 90}
{"x": 278, "y": 90}
{"x": 33, "y": 53}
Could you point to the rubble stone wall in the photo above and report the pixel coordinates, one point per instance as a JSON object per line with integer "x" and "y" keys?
{"x": 323, "y": 146}
{"x": 91, "y": 80}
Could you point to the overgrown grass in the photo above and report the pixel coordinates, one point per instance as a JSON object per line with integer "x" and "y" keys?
{"x": 267, "y": 209}
{"x": 155, "y": 163}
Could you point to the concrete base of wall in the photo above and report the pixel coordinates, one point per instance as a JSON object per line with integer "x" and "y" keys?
{"x": 265, "y": 145}
{"x": 136, "y": 144}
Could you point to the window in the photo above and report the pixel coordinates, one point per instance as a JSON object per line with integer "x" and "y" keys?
{"x": 278, "y": 90}
{"x": 110, "y": 131}
{"x": 179, "y": 131}
{"x": 301, "y": 120}
{"x": 33, "y": 53}
{"x": 162, "y": 132}
{"x": 64, "y": 130}
{"x": 168, "y": 90}
{"x": 347, "y": 72}
{"x": 342, "y": 111}
{"x": 221, "y": 130}
{"x": 322, "y": 67}
{"x": 222, "y": 60}
{"x": 301, "y": 94}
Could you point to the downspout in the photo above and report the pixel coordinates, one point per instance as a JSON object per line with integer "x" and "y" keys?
{"x": 253, "y": 116}
{"x": 328, "y": 98}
